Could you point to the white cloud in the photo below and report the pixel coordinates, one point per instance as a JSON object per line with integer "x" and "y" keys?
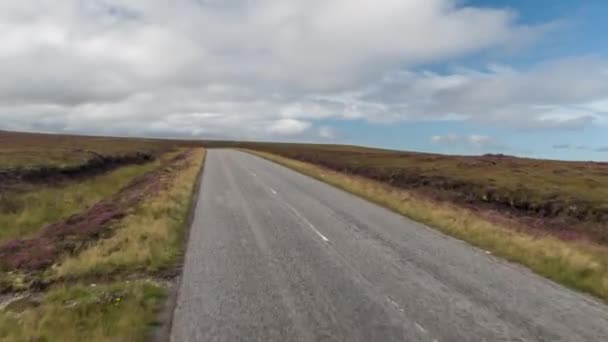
{"x": 480, "y": 140}
{"x": 442, "y": 139}
{"x": 558, "y": 94}
{"x": 327, "y": 132}
{"x": 288, "y": 127}
{"x": 473, "y": 141}
{"x": 257, "y": 69}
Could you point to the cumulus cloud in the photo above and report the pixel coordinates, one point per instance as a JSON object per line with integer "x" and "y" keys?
{"x": 271, "y": 68}
{"x": 553, "y": 95}
{"x": 288, "y": 127}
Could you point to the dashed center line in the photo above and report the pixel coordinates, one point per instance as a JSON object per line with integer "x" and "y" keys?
{"x": 393, "y": 303}
{"x": 322, "y": 236}
{"x": 295, "y": 211}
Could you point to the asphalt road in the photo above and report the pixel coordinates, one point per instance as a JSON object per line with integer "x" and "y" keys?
{"x": 276, "y": 256}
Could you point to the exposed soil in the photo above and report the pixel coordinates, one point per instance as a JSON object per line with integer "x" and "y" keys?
{"x": 75, "y": 232}
{"x": 96, "y": 165}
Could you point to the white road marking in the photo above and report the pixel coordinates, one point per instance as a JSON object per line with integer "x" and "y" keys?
{"x": 398, "y": 307}
{"x": 393, "y": 303}
{"x": 295, "y": 211}
{"x": 420, "y": 328}
{"x": 322, "y": 236}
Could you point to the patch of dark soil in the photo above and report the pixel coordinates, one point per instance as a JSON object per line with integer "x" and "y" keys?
{"x": 566, "y": 220}
{"x": 98, "y": 164}
{"x": 73, "y": 233}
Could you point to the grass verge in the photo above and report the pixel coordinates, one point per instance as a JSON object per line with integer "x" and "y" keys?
{"x": 577, "y": 264}
{"x": 121, "y": 311}
{"x": 147, "y": 240}
{"x": 22, "y": 214}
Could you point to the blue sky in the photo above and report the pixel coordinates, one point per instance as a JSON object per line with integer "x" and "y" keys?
{"x": 415, "y": 136}
{"x": 579, "y": 29}
{"x": 528, "y": 78}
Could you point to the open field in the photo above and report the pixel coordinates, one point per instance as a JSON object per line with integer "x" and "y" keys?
{"x": 45, "y": 178}
{"x": 88, "y": 241}
{"x": 566, "y": 199}
{"x": 27, "y": 151}
{"x": 30, "y": 159}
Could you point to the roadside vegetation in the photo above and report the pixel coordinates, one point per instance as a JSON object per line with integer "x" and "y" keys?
{"x": 23, "y": 213}
{"x": 91, "y": 255}
{"x": 45, "y": 178}
{"x": 120, "y": 311}
{"x": 580, "y": 263}
{"x": 564, "y": 199}
{"x": 149, "y": 239}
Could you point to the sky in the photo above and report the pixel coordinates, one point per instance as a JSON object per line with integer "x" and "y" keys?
{"x": 519, "y": 77}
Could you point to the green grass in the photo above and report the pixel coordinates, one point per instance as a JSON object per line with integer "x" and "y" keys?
{"x": 576, "y": 264}
{"x": 26, "y": 206}
{"x": 147, "y": 240}
{"x": 122, "y": 311}
{"x": 24, "y": 213}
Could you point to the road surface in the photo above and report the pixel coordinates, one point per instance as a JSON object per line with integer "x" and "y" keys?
{"x": 276, "y": 256}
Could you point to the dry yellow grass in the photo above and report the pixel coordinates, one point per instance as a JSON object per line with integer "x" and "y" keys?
{"x": 576, "y": 264}
{"x": 149, "y": 239}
